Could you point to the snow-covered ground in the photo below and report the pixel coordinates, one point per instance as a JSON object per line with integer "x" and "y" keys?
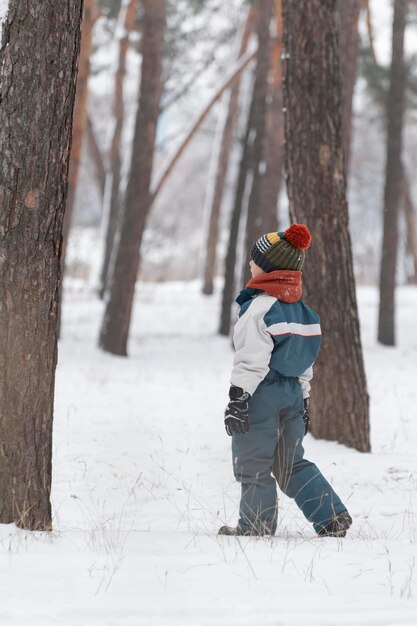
{"x": 142, "y": 480}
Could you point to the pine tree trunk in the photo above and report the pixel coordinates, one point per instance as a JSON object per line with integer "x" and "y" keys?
{"x": 411, "y": 225}
{"x": 246, "y": 169}
{"x": 274, "y": 137}
{"x": 230, "y": 261}
{"x": 257, "y": 134}
{"x": 222, "y": 167}
{"x": 347, "y": 20}
{"x": 80, "y": 116}
{"x": 116, "y": 322}
{"x": 127, "y": 15}
{"x": 96, "y": 157}
{"x": 316, "y": 189}
{"x": 38, "y": 61}
{"x": 393, "y": 174}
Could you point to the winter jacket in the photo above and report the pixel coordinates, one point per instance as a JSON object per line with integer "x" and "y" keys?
{"x": 275, "y": 331}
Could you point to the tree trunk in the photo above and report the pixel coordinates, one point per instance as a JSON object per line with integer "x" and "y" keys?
{"x": 393, "y": 174}
{"x": 38, "y": 61}
{"x": 257, "y": 133}
{"x": 317, "y": 196}
{"x": 246, "y": 166}
{"x": 96, "y": 157}
{"x": 411, "y": 224}
{"x": 116, "y": 322}
{"x": 216, "y": 195}
{"x": 127, "y": 19}
{"x": 274, "y": 137}
{"x": 347, "y": 21}
{"x": 80, "y": 116}
{"x": 230, "y": 261}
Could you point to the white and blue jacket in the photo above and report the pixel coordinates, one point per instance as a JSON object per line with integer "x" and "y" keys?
{"x": 274, "y": 335}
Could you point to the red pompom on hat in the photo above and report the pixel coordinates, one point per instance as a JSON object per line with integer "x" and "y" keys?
{"x": 298, "y": 236}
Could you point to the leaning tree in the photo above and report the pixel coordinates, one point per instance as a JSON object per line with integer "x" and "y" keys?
{"x": 38, "y": 66}
{"x": 317, "y": 194}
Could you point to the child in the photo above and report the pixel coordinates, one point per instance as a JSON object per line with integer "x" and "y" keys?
{"x": 277, "y": 339}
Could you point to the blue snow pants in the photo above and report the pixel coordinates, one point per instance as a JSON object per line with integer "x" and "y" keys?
{"x": 274, "y": 445}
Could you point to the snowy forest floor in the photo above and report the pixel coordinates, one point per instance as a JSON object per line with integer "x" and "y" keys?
{"x": 142, "y": 480}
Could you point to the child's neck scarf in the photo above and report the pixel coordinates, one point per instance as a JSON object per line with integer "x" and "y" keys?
{"x": 285, "y": 285}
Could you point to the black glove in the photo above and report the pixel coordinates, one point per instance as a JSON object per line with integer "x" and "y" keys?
{"x": 306, "y": 416}
{"x": 236, "y": 419}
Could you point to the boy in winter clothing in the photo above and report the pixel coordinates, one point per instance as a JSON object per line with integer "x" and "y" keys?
{"x": 277, "y": 339}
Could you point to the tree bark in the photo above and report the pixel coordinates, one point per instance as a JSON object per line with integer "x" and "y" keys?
{"x": 393, "y": 174}
{"x": 216, "y": 194}
{"x": 347, "y": 20}
{"x": 38, "y": 64}
{"x": 317, "y": 196}
{"x": 257, "y": 134}
{"x": 116, "y": 322}
{"x": 127, "y": 18}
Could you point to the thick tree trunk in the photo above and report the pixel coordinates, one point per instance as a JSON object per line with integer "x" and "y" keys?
{"x": 116, "y": 322}
{"x": 257, "y": 134}
{"x": 80, "y": 115}
{"x": 316, "y": 189}
{"x": 216, "y": 195}
{"x": 127, "y": 18}
{"x": 347, "y": 21}
{"x": 393, "y": 174}
{"x": 38, "y": 61}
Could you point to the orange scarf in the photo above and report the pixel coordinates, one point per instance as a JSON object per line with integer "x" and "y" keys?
{"x": 285, "y": 285}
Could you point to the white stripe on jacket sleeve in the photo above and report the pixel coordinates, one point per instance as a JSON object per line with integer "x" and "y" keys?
{"x": 293, "y": 328}
{"x": 253, "y": 345}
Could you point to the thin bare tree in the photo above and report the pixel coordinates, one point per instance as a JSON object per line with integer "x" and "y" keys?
{"x": 249, "y": 161}
{"x": 215, "y": 195}
{"x": 127, "y": 18}
{"x": 80, "y": 114}
{"x": 393, "y": 177}
{"x": 411, "y": 224}
{"x": 116, "y": 322}
{"x": 257, "y": 133}
{"x": 96, "y": 157}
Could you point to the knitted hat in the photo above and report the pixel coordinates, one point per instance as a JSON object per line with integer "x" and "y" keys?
{"x": 283, "y": 250}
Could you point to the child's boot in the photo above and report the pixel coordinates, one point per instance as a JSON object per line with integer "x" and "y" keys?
{"x": 239, "y": 532}
{"x": 337, "y": 526}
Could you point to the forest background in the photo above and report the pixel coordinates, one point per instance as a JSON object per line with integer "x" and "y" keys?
{"x": 179, "y": 213}
{"x": 140, "y": 479}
